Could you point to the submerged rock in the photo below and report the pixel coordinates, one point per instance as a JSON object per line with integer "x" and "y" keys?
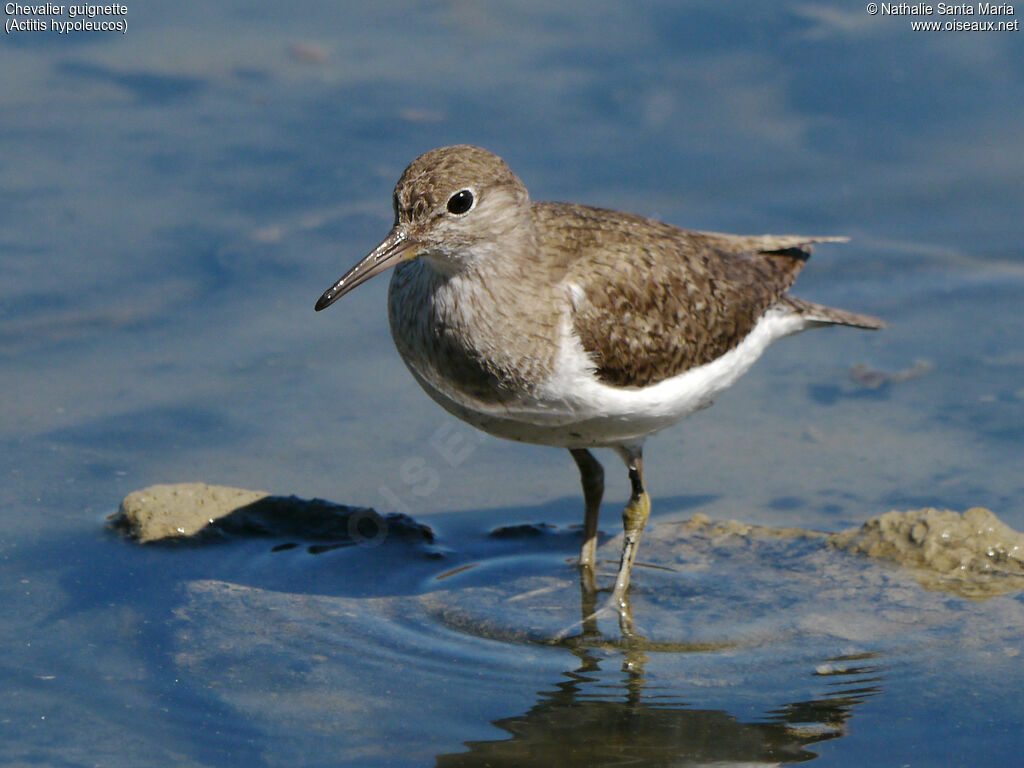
{"x": 874, "y": 378}
{"x": 704, "y": 525}
{"x": 974, "y": 554}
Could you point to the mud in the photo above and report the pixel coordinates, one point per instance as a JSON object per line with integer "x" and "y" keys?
{"x": 973, "y": 555}
{"x": 178, "y": 510}
{"x": 197, "y": 512}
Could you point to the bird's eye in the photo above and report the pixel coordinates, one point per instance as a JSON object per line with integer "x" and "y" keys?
{"x": 460, "y": 202}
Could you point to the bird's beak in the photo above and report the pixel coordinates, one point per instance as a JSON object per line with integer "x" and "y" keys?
{"x": 397, "y": 246}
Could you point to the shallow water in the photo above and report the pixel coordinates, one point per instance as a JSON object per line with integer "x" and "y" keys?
{"x": 175, "y": 200}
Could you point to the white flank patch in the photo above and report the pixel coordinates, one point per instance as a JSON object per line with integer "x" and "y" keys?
{"x": 591, "y": 412}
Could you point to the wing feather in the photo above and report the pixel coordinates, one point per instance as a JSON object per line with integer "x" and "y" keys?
{"x": 651, "y": 300}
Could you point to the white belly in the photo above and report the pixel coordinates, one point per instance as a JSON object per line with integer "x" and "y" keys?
{"x": 574, "y": 409}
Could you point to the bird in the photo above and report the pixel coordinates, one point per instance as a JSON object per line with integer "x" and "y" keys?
{"x": 573, "y": 326}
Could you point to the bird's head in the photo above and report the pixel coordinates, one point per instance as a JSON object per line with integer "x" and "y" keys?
{"x": 453, "y": 206}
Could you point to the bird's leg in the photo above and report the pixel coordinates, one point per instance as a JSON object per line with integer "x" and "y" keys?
{"x": 588, "y": 603}
{"x": 634, "y": 516}
{"x": 592, "y": 478}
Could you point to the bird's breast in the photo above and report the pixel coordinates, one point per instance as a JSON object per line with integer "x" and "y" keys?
{"x": 465, "y": 339}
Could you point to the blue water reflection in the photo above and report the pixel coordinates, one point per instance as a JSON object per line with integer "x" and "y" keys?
{"x": 173, "y": 201}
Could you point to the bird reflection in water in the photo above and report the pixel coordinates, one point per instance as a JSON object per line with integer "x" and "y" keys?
{"x": 591, "y": 721}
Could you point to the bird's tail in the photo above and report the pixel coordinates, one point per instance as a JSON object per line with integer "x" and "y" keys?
{"x": 820, "y": 314}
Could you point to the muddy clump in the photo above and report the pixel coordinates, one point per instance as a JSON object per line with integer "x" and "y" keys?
{"x": 974, "y": 554}
{"x": 178, "y": 510}
{"x": 198, "y": 512}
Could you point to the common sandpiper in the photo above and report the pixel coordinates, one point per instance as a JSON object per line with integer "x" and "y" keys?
{"x": 574, "y": 326}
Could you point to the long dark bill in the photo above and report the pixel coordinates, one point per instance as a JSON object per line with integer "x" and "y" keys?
{"x": 394, "y": 248}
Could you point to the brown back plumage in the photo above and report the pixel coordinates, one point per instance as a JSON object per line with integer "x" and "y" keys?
{"x": 652, "y": 300}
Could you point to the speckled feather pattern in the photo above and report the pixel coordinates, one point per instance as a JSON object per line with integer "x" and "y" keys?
{"x": 470, "y": 332}
{"x": 652, "y": 300}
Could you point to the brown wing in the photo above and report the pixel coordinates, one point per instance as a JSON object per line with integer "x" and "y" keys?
{"x": 652, "y": 300}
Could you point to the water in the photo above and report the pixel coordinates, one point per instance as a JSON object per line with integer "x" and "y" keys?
{"x": 176, "y": 198}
